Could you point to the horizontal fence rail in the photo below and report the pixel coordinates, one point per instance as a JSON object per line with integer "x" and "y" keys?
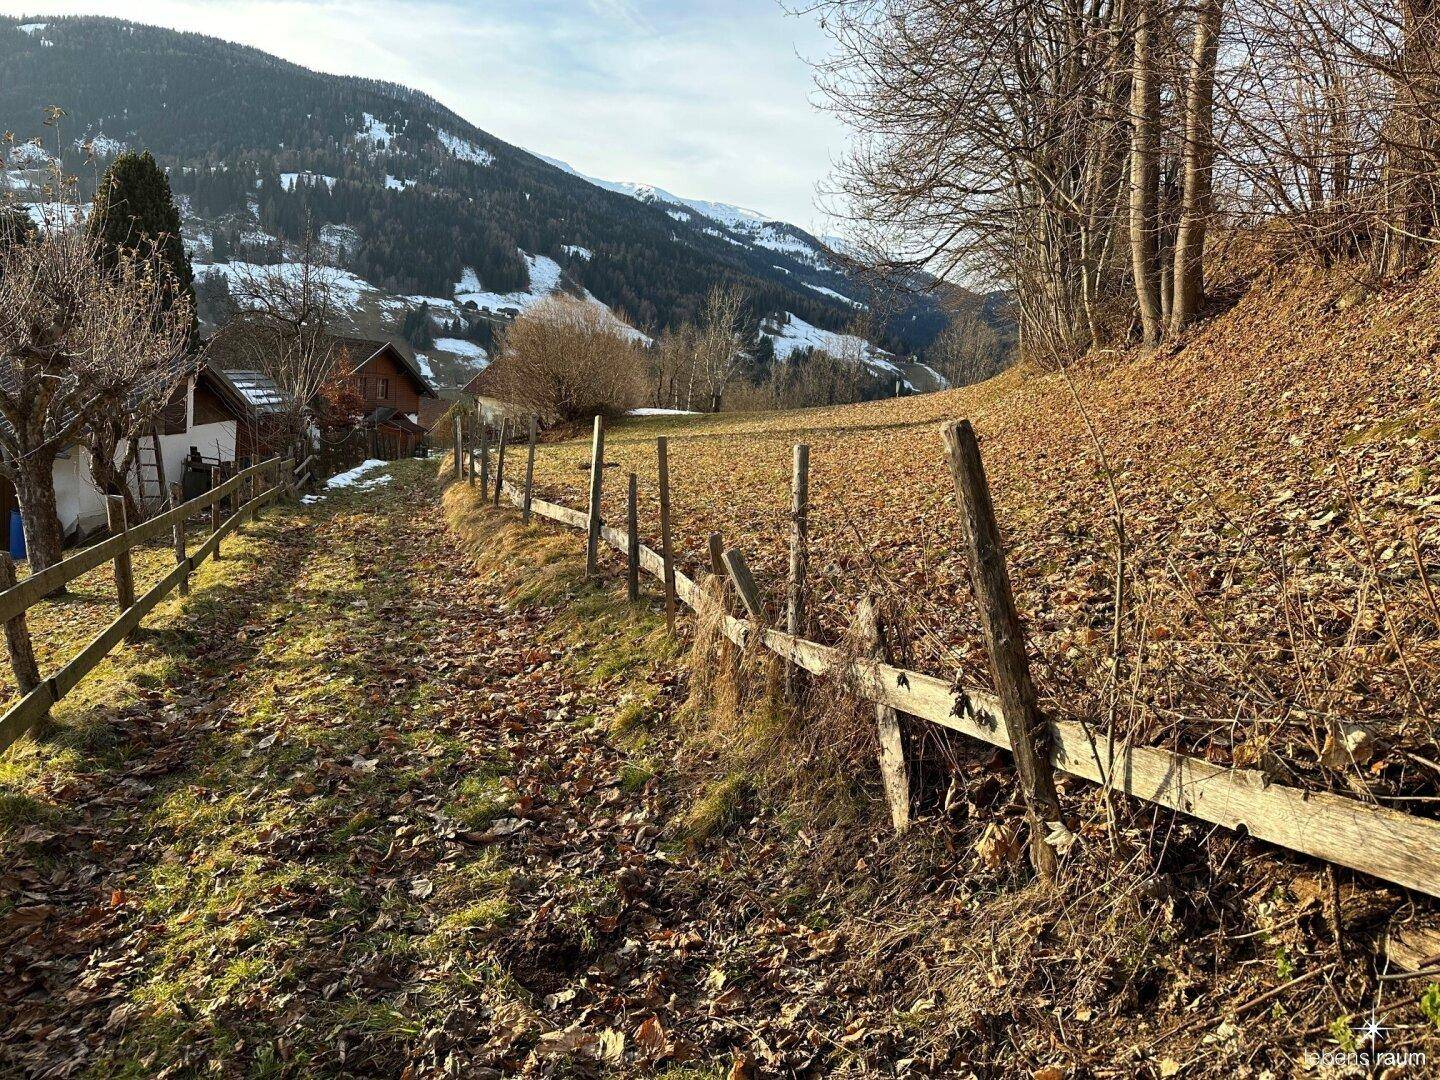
{"x": 1376, "y": 840}
{"x": 15, "y": 601}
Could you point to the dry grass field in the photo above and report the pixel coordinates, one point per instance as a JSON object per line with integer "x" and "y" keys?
{"x": 1276, "y": 474}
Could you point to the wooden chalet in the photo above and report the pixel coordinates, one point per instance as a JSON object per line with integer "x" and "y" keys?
{"x": 390, "y": 383}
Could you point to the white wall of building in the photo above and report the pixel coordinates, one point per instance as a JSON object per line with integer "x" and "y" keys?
{"x": 81, "y": 504}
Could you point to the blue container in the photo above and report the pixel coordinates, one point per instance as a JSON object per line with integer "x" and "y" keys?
{"x": 17, "y": 536}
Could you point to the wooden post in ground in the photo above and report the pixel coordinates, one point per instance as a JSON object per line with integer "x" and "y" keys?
{"x": 529, "y": 472}
{"x": 484, "y": 457}
{"x": 500, "y": 459}
{"x": 745, "y": 587}
{"x": 597, "y": 470}
{"x": 894, "y": 759}
{"x": 124, "y": 572}
{"x": 1005, "y": 642}
{"x": 459, "y": 441}
{"x": 716, "y": 544}
{"x": 667, "y": 553}
{"x": 471, "y": 452}
{"x": 799, "y": 554}
{"x": 216, "y": 479}
{"x": 17, "y": 636}
{"x": 177, "y": 497}
{"x": 632, "y": 541}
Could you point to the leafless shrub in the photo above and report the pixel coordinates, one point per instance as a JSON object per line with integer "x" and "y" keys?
{"x": 82, "y": 347}
{"x": 567, "y": 359}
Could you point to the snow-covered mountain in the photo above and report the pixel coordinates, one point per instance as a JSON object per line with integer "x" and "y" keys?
{"x": 789, "y": 244}
{"x": 415, "y": 206}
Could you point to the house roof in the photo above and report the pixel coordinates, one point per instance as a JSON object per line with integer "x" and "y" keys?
{"x": 253, "y": 390}
{"x": 366, "y": 349}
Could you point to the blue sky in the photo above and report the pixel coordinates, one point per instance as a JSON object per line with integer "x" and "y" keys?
{"x": 707, "y": 98}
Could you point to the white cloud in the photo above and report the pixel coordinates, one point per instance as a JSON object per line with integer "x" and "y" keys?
{"x": 707, "y": 98}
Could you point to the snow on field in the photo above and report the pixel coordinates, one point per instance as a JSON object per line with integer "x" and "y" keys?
{"x": 28, "y": 154}
{"x": 460, "y": 347}
{"x": 575, "y": 251}
{"x": 940, "y": 380}
{"x": 397, "y": 185}
{"x": 464, "y": 149}
{"x": 795, "y": 335}
{"x": 50, "y": 214}
{"x": 348, "y": 289}
{"x": 101, "y": 145}
{"x": 831, "y": 292}
{"x": 545, "y": 274}
{"x": 661, "y": 412}
{"x": 288, "y": 180}
{"x": 374, "y": 131}
{"x": 32, "y": 28}
{"x": 353, "y": 476}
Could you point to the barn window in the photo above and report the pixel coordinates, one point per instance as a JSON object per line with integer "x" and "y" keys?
{"x": 383, "y": 389}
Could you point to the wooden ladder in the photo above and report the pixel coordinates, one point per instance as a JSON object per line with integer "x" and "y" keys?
{"x": 150, "y": 482}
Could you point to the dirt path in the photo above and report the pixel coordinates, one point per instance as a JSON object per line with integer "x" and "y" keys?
{"x": 353, "y": 811}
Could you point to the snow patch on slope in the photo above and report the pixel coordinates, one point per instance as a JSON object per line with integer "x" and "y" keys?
{"x": 794, "y": 334}
{"x": 374, "y": 131}
{"x": 464, "y": 149}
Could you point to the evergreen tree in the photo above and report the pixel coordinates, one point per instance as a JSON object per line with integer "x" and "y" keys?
{"x": 16, "y": 228}
{"x": 134, "y": 211}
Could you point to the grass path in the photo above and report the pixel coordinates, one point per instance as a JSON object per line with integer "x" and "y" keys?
{"x": 354, "y": 808}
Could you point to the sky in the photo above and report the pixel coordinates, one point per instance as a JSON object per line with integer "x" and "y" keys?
{"x": 710, "y": 99}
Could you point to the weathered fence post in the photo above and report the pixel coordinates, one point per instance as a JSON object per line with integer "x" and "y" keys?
{"x": 17, "y": 636}
{"x": 484, "y": 458}
{"x": 529, "y": 471}
{"x": 216, "y": 479}
{"x": 177, "y": 499}
{"x": 1005, "y": 642}
{"x": 667, "y": 554}
{"x": 632, "y": 541}
{"x": 745, "y": 587}
{"x": 471, "y": 452}
{"x": 124, "y": 572}
{"x": 894, "y": 759}
{"x": 459, "y": 440}
{"x": 716, "y": 543}
{"x": 799, "y": 554}
{"x": 597, "y": 469}
{"x": 500, "y": 458}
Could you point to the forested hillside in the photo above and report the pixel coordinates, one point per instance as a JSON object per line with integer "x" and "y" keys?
{"x": 414, "y": 198}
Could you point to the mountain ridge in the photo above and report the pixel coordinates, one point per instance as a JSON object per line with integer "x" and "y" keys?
{"x": 421, "y": 196}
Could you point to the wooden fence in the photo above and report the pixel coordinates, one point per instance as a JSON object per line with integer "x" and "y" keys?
{"x": 1376, "y": 840}
{"x": 246, "y": 497}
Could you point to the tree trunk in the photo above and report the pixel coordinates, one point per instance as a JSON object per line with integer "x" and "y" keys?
{"x": 1197, "y": 162}
{"x": 1413, "y": 137}
{"x": 34, "y": 477}
{"x": 1144, "y": 177}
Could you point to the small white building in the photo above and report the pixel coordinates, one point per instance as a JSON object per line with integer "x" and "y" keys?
{"x": 203, "y": 424}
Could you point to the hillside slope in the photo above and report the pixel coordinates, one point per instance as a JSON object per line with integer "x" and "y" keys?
{"x": 1272, "y": 469}
{"x": 416, "y": 204}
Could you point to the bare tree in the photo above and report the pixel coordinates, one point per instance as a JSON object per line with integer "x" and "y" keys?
{"x": 1198, "y": 161}
{"x": 568, "y": 360}
{"x": 284, "y": 329}
{"x": 718, "y": 341}
{"x": 75, "y": 339}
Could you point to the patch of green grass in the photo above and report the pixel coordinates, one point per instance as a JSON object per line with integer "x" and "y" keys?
{"x": 479, "y": 800}
{"x": 715, "y": 808}
{"x": 635, "y": 775}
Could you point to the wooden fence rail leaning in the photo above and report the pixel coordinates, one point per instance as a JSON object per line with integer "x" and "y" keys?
{"x": 1376, "y": 840}
{"x": 18, "y": 597}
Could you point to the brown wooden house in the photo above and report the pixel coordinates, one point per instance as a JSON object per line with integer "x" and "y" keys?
{"x": 392, "y": 386}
